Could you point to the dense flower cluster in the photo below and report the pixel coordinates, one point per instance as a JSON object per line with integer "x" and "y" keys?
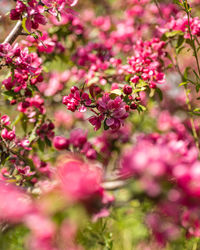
{"x": 25, "y": 66}
{"x": 33, "y": 11}
{"x": 19, "y": 58}
{"x": 146, "y": 64}
{"x": 113, "y": 111}
{"x": 181, "y": 24}
{"x": 76, "y": 99}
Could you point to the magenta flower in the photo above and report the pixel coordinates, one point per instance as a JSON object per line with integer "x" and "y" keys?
{"x": 113, "y": 111}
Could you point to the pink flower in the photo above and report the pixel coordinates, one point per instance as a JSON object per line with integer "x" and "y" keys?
{"x": 8, "y": 135}
{"x": 79, "y": 180}
{"x": 78, "y": 137}
{"x": 60, "y": 142}
{"x": 5, "y": 120}
{"x": 114, "y": 112}
{"x": 14, "y": 204}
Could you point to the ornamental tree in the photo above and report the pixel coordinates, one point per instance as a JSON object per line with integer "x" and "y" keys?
{"x": 99, "y": 128}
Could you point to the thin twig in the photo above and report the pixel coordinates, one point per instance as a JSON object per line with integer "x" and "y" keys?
{"x": 189, "y": 106}
{"x": 158, "y": 7}
{"x": 192, "y": 40}
{"x": 194, "y": 132}
{"x": 113, "y": 185}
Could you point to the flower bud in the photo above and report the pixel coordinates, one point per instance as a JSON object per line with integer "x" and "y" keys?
{"x": 127, "y": 89}
{"x": 133, "y": 106}
{"x": 135, "y": 79}
{"x": 60, "y": 142}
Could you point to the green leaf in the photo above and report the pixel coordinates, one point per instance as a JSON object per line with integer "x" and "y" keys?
{"x": 183, "y": 83}
{"x": 10, "y": 94}
{"x": 197, "y": 88}
{"x": 173, "y": 33}
{"x": 4, "y": 157}
{"x": 105, "y": 125}
{"x": 13, "y": 238}
{"x": 178, "y": 51}
{"x": 95, "y": 79}
{"x": 196, "y": 110}
{"x": 41, "y": 145}
{"x": 127, "y": 78}
{"x": 152, "y": 93}
{"x": 178, "y": 2}
{"x": 110, "y": 71}
{"x": 169, "y": 66}
{"x": 193, "y": 113}
{"x": 34, "y": 35}
{"x": 24, "y": 25}
{"x": 142, "y": 83}
{"x": 47, "y": 141}
{"x": 180, "y": 41}
{"x": 17, "y": 119}
{"x": 33, "y": 88}
{"x": 141, "y": 107}
{"x": 116, "y": 91}
{"x": 139, "y": 90}
{"x": 196, "y": 74}
{"x": 188, "y": 41}
{"x": 186, "y": 72}
{"x": 160, "y": 94}
{"x": 40, "y": 32}
{"x": 24, "y": 123}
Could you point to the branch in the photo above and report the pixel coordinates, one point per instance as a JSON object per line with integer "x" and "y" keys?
{"x": 16, "y": 31}
{"x": 113, "y": 185}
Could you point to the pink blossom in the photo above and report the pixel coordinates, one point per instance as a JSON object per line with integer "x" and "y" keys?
{"x": 79, "y": 180}
{"x": 60, "y": 142}
{"x": 14, "y": 204}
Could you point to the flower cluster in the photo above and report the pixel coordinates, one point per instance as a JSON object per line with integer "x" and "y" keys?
{"x": 46, "y": 130}
{"x": 172, "y": 157}
{"x": 77, "y": 98}
{"x": 112, "y": 111}
{"x": 181, "y": 24}
{"x": 31, "y": 106}
{"x": 33, "y": 11}
{"x": 146, "y": 64}
{"x": 26, "y": 70}
{"x": 20, "y": 59}
{"x": 78, "y": 141}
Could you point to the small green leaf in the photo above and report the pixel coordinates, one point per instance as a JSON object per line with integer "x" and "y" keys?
{"x": 141, "y": 107}
{"x": 173, "y": 33}
{"x": 24, "y": 25}
{"x": 24, "y": 123}
{"x": 152, "y": 92}
{"x": 160, "y": 94}
{"x": 197, "y": 88}
{"x": 116, "y": 91}
{"x": 48, "y": 142}
{"x": 41, "y": 145}
{"x": 105, "y": 125}
{"x": 196, "y": 110}
{"x": 183, "y": 83}
{"x": 95, "y": 79}
{"x": 9, "y": 94}
{"x": 17, "y": 119}
{"x": 180, "y": 41}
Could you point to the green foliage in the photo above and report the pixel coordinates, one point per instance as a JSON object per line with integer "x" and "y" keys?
{"x": 13, "y": 238}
